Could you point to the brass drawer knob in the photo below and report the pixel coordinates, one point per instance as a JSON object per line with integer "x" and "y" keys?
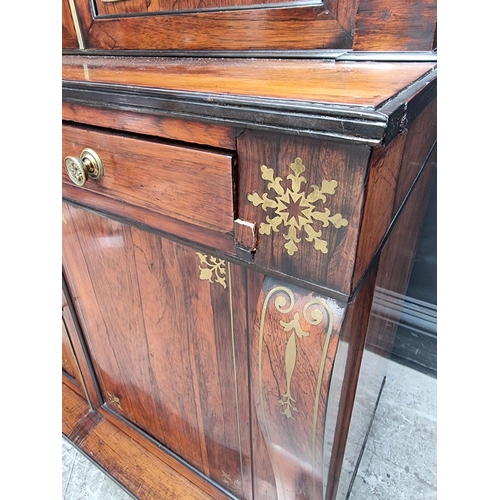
{"x": 80, "y": 169}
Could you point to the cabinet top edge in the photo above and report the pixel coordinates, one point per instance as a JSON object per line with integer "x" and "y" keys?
{"x": 317, "y": 82}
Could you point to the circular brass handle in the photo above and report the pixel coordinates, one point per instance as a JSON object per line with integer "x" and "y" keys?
{"x": 80, "y": 169}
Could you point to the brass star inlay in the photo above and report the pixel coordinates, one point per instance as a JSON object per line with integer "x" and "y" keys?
{"x": 295, "y": 210}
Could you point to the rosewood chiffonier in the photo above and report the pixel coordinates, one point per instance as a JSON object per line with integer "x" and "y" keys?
{"x": 241, "y": 179}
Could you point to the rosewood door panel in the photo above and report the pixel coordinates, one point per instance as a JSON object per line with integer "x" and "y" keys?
{"x": 166, "y": 335}
{"x": 245, "y": 25}
{"x": 219, "y": 25}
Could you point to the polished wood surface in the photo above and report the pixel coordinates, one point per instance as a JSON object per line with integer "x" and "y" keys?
{"x": 192, "y": 185}
{"x": 344, "y": 381}
{"x": 69, "y": 38}
{"x": 153, "y": 124}
{"x": 395, "y": 26}
{"x": 362, "y": 84}
{"x": 131, "y": 463}
{"x": 308, "y": 26}
{"x": 76, "y": 372}
{"x": 220, "y": 280}
{"x": 294, "y": 342}
{"x": 392, "y": 171}
{"x": 243, "y": 25}
{"x": 150, "y": 6}
{"x": 295, "y": 235}
{"x": 181, "y": 325}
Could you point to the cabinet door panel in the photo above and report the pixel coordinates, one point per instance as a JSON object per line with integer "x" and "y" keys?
{"x": 167, "y": 339}
{"x": 242, "y": 25}
{"x": 219, "y": 25}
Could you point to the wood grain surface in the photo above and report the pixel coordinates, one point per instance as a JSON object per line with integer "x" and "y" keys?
{"x": 362, "y": 84}
{"x": 189, "y": 184}
{"x": 69, "y": 38}
{"x": 320, "y": 252}
{"x": 129, "y": 460}
{"x": 399, "y": 26}
{"x": 275, "y": 27}
{"x": 293, "y": 346}
{"x": 392, "y": 172}
{"x": 152, "y": 6}
{"x": 239, "y": 25}
{"x": 155, "y": 124}
{"x": 166, "y": 335}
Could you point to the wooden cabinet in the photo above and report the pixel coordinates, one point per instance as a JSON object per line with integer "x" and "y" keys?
{"x": 240, "y": 182}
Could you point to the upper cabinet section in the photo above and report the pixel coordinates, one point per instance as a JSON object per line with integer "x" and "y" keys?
{"x": 254, "y": 25}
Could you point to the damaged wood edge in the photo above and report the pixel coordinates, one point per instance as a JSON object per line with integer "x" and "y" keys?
{"x": 404, "y": 108}
{"x": 246, "y": 238}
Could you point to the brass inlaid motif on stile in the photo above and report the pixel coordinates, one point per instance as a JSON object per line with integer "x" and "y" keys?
{"x": 314, "y": 312}
{"x": 290, "y": 359}
{"x": 295, "y": 210}
{"x": 212, "y": 268}
{"x": 215, "y": 270}
{"x": 113, "y": 400}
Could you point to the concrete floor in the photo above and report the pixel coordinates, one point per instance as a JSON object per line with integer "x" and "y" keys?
{"x": 399, "y": 461}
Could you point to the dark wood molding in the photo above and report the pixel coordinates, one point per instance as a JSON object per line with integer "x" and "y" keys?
{"x": 364, "y": 124}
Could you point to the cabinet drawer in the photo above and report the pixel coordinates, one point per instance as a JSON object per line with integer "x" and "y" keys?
{"x": 188, "y": 184}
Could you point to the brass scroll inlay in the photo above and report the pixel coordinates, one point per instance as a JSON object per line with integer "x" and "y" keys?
{"x": 315, "y": 312}
{"x": 295, "y": 210}
{"x": 290, "y": 359}
{"x": 212, "y": 268}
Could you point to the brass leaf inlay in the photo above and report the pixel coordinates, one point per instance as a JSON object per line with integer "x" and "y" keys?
{"x": 290, "y": 359}
{"x": 212, "y": 268}
{"x": 295, "y": 210}
{"x": 113, "y": 400}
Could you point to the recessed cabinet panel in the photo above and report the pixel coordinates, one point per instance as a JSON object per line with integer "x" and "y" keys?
{"x": 166, "y": 336}
{"x": 243, "y": 25}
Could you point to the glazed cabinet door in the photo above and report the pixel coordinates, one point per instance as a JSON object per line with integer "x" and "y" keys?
{"x": 166, "y": 335}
